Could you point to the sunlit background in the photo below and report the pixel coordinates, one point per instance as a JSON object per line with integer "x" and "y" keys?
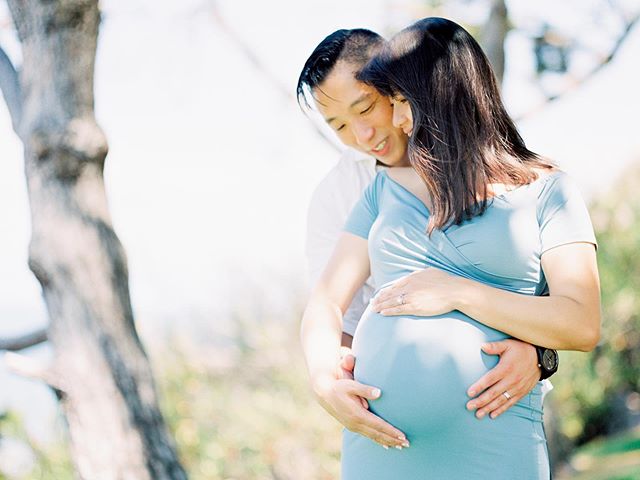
{"x": 212, "y": 163}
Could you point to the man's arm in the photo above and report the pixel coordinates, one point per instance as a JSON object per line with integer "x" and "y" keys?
{"x": 347, "y": 340}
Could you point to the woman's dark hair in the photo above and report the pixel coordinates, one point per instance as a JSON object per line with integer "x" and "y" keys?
{"x": 355, "y": 46}
{"x": 462, "y": 138}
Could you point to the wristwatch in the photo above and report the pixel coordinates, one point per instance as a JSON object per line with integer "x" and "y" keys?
{"x": 548, "y": 361}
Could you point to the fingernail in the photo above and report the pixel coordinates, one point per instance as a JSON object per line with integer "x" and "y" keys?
{"x": 480, "y": 415}
{"x": 401, "y": 437}
{"x": 375, "y": 393}
{"x": 386, "y": 447}
{"x": 398, "y": 447}
{"x": 472, "y": 393}
{"x": 405, "y": 444}
{"x": 471, "y": 406}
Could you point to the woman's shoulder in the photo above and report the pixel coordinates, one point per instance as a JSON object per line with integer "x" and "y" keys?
{"x": 543, "y": 175}
{"x": 372, "y": 192}
{"x": 557, "y": 188}
{"x": 554, "y": 179}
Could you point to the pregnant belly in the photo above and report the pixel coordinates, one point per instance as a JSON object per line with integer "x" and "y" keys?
{"x": 423, "y": 365}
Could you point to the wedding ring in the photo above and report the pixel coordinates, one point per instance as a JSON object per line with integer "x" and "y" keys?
{"x": 401, "y": 299}
{"x": 506, "y": 395}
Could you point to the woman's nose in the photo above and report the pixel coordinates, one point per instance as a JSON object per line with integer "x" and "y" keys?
{"x": 399, "y": 118}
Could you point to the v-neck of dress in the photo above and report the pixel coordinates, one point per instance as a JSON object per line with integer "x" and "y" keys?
{"x": 402, "y": 187}
{"x": 500, "y": 196}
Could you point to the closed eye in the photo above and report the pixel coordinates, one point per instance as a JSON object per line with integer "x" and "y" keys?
{"x": 368, "y": 109}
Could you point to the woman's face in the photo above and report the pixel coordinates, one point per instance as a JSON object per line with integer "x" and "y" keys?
{"x": 402, "y": 117}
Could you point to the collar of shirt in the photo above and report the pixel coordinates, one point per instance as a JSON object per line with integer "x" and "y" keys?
{"x": 367, "y": 160}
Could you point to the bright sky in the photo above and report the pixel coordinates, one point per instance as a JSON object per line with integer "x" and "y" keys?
{"x": 209, "y": 172}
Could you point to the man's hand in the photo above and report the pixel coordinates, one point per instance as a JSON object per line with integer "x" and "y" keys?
{"x": 346, "y": 400}
{"x": 516, "y": 373}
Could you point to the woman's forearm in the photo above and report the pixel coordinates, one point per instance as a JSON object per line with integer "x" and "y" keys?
{"x": 554, "y": 321}
{"x": 567, "y": 319}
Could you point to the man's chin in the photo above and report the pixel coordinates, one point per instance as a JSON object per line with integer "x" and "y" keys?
{"x": 392, "y": 162}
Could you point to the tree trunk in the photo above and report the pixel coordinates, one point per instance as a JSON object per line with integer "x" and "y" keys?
{"x": 494, "y": 34}
{"x": 100, "y": 370}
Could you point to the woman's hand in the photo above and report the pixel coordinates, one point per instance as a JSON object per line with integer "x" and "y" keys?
{"x": 343, "y": 398}
{"x": 427, "y": 292}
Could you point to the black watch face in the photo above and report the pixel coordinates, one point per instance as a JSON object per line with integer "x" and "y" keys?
{"x": 549, "y": 360}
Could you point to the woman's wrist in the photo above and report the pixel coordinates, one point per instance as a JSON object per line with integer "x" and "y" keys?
{"x": 462, "y": 293}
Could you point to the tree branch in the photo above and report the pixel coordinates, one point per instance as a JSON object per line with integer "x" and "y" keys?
{"x": 494, "y": 34}
{"x": 24, "y": 341}
{"x": 259, "y": 65}
{"x": 605, "y": 61}
{"x": 30, "y": 368}
{"x": 10, "y": 86}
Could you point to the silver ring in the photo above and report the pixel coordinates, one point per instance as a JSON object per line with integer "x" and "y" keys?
{"x": 506, "y": 395}
{"x": 401, "y": 299}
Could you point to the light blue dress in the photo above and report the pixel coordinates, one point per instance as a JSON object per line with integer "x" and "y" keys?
{"x": 424, "y": 365}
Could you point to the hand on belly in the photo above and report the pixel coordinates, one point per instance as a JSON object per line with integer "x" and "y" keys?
{"x": 423, "y": 365}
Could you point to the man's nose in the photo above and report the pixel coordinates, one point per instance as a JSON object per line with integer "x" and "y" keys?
{"x": 363, "y": 133}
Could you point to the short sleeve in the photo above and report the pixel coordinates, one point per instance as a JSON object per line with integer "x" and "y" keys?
{"x": 365, "y": 211}
{"x": 562, "y": 214}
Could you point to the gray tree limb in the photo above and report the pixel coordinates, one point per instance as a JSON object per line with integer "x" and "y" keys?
{"x": 578, "y": 82}
{"x": 10, "y": 87}
{"x": 27, "y": 367}
{"x": 259, "y": 65}
{"x": 494, "y": 34}
{"x": 24, "y": 341}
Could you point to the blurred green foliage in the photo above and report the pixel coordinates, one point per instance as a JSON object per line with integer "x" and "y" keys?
{"x": 592, "y": 391}
{"x": 614, "y": 458}
{"x": 239, "y": 410}
{"x": 50, "y": 459}
{"x": 244, "y": 411}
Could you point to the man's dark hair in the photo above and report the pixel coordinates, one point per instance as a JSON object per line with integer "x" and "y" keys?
{"x": 355, "y": 46}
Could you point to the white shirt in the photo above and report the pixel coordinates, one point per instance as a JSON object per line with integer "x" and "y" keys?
{"x": 330, "y": 206}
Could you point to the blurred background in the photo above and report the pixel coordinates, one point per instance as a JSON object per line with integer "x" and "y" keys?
{"x": 210, "y": 170}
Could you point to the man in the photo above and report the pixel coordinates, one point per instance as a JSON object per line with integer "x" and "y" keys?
{"x": 362, "y": 120}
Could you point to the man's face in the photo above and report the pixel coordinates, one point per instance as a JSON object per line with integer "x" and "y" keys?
{"x": 361, "y": 117}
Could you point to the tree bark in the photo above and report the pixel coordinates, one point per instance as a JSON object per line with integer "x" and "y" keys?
{"x": 103, "y": 377}
{"x": 494, "y": 34}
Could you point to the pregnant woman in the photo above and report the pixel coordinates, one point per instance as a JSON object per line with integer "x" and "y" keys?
{"x": 496, "y": 226}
